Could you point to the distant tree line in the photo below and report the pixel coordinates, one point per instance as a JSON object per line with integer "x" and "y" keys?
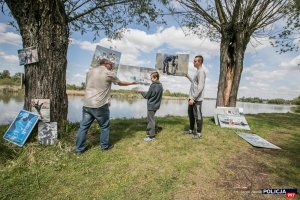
{"x": 295, "y": 101}
{"x": 174, "y": 94}
{"x": 7, "y": 79}
{"x": 76, "y": 87}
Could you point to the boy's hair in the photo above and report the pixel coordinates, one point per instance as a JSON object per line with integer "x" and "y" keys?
{"x": 155, "y": 75}
{"x": 201, "y": 58}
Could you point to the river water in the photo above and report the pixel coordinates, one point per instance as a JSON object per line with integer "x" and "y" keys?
{"x": 134, "y": 108}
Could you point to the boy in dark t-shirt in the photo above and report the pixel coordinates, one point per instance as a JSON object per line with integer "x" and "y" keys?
{"x": 154, "y": 96}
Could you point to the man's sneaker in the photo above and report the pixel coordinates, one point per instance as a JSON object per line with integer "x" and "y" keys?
{"x": 148, "y": 139}
{"x": 80, "y": 152}
{"x": 110, "y": 146}
{"x": 197, "y": 136}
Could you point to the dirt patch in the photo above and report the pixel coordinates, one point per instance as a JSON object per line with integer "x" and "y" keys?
{"x": 246, "y": 176}
{"x": 244, "y": 172}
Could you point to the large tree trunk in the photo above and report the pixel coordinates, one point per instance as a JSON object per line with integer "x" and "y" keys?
{"x": 44, "y": 24}
{"x": 233, "y": 46}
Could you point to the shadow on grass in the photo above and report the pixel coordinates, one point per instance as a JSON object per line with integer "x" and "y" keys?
{"x": 8, "y": 151}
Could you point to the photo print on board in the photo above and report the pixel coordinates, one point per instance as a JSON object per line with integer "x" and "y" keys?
{"x": 141, "y": 75}
{"x": 28, "y": 55}
{"x": 47, "y": 133}
{"x": 21, "y": 127}
{"x": 172, "y": 64}
{"x": 42, "y": 108}
{"x": 110, "y": 54}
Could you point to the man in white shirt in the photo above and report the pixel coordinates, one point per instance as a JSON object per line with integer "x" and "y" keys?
{"x": 96, "y": 103}
{"x": 196, "y": 96}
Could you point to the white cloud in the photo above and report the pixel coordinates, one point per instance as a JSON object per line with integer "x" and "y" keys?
{"x": 259, "y": 85}
{"x": 293, "y": 64}
{"x": 258, "y": 44}
{"x": 85, "y": 45}
{"x": 266, "y": 76}
{"x": 76, "y": 79}
{"x": 254, "y": 67}
{"x": 175, "y": 38}
{"x": 12, "y": 59}
{"x": 135, "y": 42}
{"x": 9, "y": 37}
{"x": 3, "y": 27}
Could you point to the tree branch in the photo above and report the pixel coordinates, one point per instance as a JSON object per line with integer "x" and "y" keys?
{"x": 228, "y": 9}
{"x": 75, "y": 8}
{"x": 221, "y": 13}
{"x": 193, "y": 5}
{"x": 95, "y": 8}
{"x": 267, "y": 15}
{"x": 236, "y": 11}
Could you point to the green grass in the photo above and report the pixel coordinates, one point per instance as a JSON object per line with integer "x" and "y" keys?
{"x": 173, "y": 166}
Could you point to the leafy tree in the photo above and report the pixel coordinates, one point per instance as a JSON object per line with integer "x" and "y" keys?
{"x": 17, "y": 76}
{"x": 296, "y": 101}
{"x": 82, "y": 86}
{"x": 167, "y": 92}
{"x": 47, "y": 24}
{"x": 276, "y": 101}
{"x": 233, "y": 23}
{"x": 5, "y": 74}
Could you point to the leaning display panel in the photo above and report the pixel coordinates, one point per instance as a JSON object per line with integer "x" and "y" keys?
{"x": 21, "y": 127}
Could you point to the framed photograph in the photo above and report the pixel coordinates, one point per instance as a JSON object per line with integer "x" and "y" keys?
{"x": 227, "y": 111}
{"x": 233, "y": 121}
{"x": 172, "y": 64}
{"x": 47, "y": 133}
{"x": 141, "y": 75}
{"x": 21, "y": 127}
{"x": 42, "y": 108}
{"x": 110, "y": 54}
{"x": 257, "y": 141}
{"x": 28, "y": 55}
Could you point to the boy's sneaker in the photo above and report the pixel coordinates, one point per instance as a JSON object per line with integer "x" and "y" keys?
{"x": 197, "y": 136}
{"x": 148, "y": 139}
{"x": 189, "y": 132}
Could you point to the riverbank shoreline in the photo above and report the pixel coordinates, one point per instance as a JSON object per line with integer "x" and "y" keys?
{"x": 129, "y": 94}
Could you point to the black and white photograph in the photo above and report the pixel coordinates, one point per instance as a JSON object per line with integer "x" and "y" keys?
{"x": 110, "y": 54}
{"x": 42, "y": 108}
{"x": 172, "y": 64}
{"x": 141, "y": 75}
{"x": 47, "y": 133}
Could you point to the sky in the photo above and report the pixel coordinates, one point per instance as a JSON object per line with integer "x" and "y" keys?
{"x": 266, "y": 74}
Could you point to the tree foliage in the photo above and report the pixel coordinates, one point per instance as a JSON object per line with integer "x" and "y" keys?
{"x": 233, "y": 23}
{"x": 289, "y": 38}
{"x": 48, "y": 26}
{"x": 110, "y": 17}
{"x": 211, "y": 17}
{"x": 5, "y": 74}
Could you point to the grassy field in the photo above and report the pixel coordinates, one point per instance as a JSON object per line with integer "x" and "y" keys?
{"x": 173, "y": 166}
